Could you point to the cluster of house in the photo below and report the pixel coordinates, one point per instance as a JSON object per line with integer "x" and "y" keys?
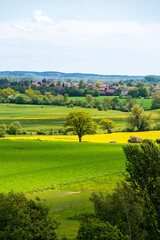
{"x": 105, "y": 88}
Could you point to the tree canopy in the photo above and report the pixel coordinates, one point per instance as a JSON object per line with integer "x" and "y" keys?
{"x": 23, "y": 219}
{"x": 94, "y": 229}
{"x": 138, "y": 119}
{"x": 143, "y": 174}
{"x": 156, "y": 100}
{"x": 124, "y": 209}
{"x": 81, "y": 123}
{"x": 107, "y": 124}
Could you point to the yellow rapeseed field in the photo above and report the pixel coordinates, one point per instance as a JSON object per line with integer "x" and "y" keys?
{"x": 121, "y": 137}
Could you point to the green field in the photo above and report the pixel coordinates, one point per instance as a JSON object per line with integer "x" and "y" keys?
{"x": 74, "y": 171}
{"x": 64, "y": 173}
{"x": 33, "y": 165}
{"x": 33, "y": 117}
{"x": 146, "y": 103}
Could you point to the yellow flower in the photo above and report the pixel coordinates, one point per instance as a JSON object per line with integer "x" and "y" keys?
{"x": 120, "y": 137}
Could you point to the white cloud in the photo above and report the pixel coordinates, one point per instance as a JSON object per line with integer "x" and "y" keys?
{"x": 79, "y": 16}
{"x": 21, "y": 27}
{"x": 87, "y": 44}
{"x": 38, "y": 23}
{"x": 85, "y": 33}
{"x": 38, "y": 17}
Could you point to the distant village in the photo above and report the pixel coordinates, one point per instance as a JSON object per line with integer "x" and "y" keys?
{"x": 105, "y": 89}
{"x": 145, "y": 88}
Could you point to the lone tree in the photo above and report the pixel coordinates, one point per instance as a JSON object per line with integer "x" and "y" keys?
{"x": 138, "y": 119}
{"x": 143, "y": 174}
{"x": 81, "y": 123}
{"x": 107, "y": 124}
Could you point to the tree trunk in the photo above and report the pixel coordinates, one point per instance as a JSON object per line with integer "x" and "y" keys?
{"x": 79, "y": 138}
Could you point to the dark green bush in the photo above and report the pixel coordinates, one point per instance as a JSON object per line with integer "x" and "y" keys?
{"x": 134, "y": 139}
{"x": 2, "y": 134}
{"x": 23, "y": 219}
{"x": 94, "y": 229}
{"x": 41, "y": 132}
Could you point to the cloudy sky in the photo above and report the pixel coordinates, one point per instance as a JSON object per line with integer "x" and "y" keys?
{"x": 88, "y": 36}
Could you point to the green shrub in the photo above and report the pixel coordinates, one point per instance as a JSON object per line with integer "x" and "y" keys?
{"x": 51, "y": 132}
{"x": 94, "y": 229}
{"x": 149, "y": 141}
{"x": 100, "y": 108}
{"x": 134, "y": 139}
{"x": 70, "y": 106}
{"x": 14, "y": 128}
{"x": 157, "y": 126}
{"x": 22, "y": 132}
{"x": 41, "y": 132}
{"x": 4, "y": 127}
{"x": 2, "y": 134}
{"x": 62, "y": 131}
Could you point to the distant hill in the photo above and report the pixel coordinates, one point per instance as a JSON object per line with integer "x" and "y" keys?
{"x": 60, "y": 75}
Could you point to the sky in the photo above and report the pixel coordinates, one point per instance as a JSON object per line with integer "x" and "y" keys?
{"x": 118, "y": 37}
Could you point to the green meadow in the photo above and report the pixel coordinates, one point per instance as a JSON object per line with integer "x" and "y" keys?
{"x": 63, "y": 173}
{"x": 146, "y": 103}
{"x": 36, "y": 165}
{"x": 34, "y": 117}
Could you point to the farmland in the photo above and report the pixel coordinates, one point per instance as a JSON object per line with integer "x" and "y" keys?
{"x": 33, "y": 117}
{"x": 146, "y": 103}
{"x": 120, "y": 137}
{"x": 29, "y": 166}
{"x": 57, "y": 167}
{"x": 33, "y": 165}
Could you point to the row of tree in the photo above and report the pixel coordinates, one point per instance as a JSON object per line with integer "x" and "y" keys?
{"x": 31, "y": 96}
{"x": 82, "y": 123}
{"x": 8, "y": 95}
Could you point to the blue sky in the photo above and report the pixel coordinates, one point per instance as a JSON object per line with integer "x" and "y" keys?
{"x": 89, "y": 36}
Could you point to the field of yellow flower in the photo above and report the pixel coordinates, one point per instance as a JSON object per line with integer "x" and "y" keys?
{"x": 120, "y": 137}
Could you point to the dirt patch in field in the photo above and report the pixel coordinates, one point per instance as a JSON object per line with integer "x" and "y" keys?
{"x": 68, "y": 193}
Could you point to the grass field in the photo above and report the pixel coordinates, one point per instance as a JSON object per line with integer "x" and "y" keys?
{"x": 33, "y": 117}
{"x": 33, "y": 165}
{"x": 146, "y": 103}
{"x": 29, "y": 166}
{"x": 62, "y": 170}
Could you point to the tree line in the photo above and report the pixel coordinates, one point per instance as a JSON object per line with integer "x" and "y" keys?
{"x": 8, "y": 95}
{"x": 82, "y": 123}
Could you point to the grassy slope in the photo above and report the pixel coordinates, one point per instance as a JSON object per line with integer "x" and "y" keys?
{"x": 68, "y": 205}
{"x": 146, "y": 103}
{"x": 33, "y": 117}
{"x": 31, "y": 165}
{"x": 27, "y": 165}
